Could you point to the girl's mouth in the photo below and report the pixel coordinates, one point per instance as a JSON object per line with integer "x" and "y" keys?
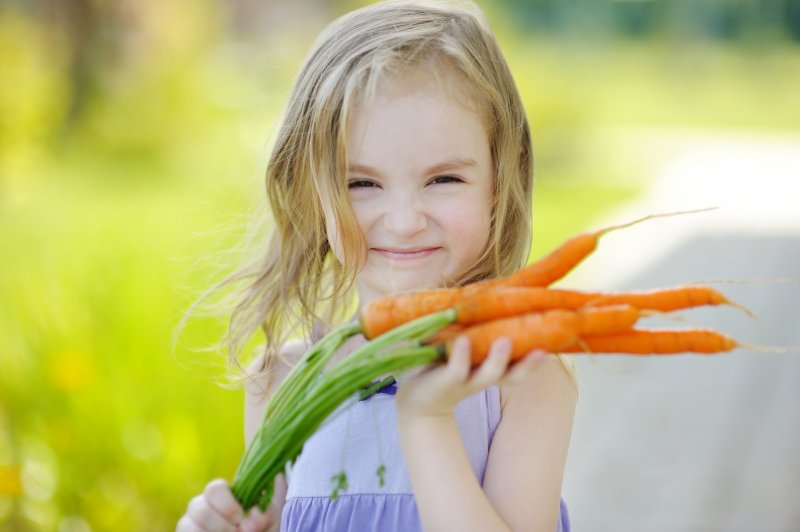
{"x": 405, "y": 253}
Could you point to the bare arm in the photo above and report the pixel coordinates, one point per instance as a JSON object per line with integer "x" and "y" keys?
{"x": 528, "y": 454}
{"x": 522, "y": 485}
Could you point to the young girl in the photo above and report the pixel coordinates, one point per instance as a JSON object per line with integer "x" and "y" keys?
{"x": 404, "y": 162}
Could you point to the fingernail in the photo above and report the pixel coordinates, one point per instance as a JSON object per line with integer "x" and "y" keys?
{"x": 505, "y": 343}
{"x": 462, "y": 342}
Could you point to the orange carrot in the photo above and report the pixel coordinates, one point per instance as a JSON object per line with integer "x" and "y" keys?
{"x": 606, "y": 320}
{"x": 504, "y": 301}
{"x": 542, "y": 330}
{"x": 661, "y": 341}
{"x": 564, "y": 258}
{"x": 665, "y": 299}
{"x": 551, "y": 331}
{"x": 386, "y": 313}
{"x": 445, "y": 335}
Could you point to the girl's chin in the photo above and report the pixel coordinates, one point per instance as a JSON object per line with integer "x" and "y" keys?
{"x": 396, "y": 282}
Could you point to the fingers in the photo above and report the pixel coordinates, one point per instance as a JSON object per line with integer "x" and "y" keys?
{"x": 496, "y": 367}
{"x": 458, "y": 364}
{"x": 187, "y": 525}
{"x": 257, "y": 521}
{"x": 440, "y": 388}
{"x": 219, "y": 496}
{"x": 490, "y": 372}
{"x": 492, "y": 369}
{"x": 204, "y": 517}
{"x": 214, "y": 510}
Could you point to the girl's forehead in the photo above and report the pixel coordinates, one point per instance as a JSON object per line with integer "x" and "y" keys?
{"x": 414, "y": 107}
{"x": 412, "y": 126}
{"x": 440, "y": 77}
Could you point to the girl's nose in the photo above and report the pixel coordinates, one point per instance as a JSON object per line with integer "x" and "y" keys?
{"x": 404, "y": 217}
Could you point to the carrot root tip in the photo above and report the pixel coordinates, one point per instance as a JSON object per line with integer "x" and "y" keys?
{"x": 605, "y": 230}
{"x": 768, "y": 348}
{"x": 742, "y": 308}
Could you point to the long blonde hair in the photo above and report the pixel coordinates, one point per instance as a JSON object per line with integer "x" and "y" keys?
{"x": 296, "y": 282}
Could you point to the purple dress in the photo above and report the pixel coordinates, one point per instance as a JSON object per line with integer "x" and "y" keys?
{"x": 357, "y": 440}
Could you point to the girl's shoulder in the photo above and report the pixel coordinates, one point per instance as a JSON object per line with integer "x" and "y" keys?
{"x": 264, "y": 374}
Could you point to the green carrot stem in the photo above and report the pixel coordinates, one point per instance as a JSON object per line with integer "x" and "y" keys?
{"x": 308, "y": 415}
{"x": 301, "y": 405}
{"x": 300, "y": 375}
{"x": 286, "y": 445}
{"x": 309, "y": 367}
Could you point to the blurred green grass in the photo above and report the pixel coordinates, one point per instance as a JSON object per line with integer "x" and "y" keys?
{"x": 110, "y": 231}
{"x": 107, "y": 423}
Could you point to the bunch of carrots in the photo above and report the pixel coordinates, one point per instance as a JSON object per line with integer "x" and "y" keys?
{"x": 414, "y": 329}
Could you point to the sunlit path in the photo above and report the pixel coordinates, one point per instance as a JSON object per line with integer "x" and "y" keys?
{"x": 695, "y": 443}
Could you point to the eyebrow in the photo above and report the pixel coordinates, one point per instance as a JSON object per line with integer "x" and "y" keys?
{"x": 450, "y": 164}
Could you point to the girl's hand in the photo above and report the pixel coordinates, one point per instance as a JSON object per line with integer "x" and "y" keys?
{"x": 217, "y": 510}
{"x": 438, "y": 389}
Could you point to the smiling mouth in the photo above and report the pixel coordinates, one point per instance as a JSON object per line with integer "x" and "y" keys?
{"x": 405, "y": 254}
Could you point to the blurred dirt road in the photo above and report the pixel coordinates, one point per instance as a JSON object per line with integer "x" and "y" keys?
{"x": 694, "y": 442}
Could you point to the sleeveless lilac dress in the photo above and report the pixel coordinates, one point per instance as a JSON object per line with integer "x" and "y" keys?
{"x": 358, "y": 439}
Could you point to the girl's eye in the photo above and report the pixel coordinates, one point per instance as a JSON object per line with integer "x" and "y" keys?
{"x": 446, "y": 179}
{"x": 361, "y": 183}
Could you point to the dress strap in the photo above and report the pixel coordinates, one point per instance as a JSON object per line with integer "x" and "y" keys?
{"x": 493, "y": 410}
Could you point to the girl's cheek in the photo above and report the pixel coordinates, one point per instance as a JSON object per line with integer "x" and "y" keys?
{"x": 366, "y": 214}
{"x": 467, "y": 219}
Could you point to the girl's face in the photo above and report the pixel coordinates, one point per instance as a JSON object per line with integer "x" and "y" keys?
{"x": 421, "y": 183}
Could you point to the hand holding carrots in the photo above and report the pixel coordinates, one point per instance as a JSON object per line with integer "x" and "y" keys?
{"x": 437, "y": 389}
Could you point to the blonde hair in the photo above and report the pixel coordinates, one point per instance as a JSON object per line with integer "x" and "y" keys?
{"x": 297, "y": 282}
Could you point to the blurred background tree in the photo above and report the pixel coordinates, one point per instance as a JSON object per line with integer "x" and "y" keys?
{"x": 132, "y": 139}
